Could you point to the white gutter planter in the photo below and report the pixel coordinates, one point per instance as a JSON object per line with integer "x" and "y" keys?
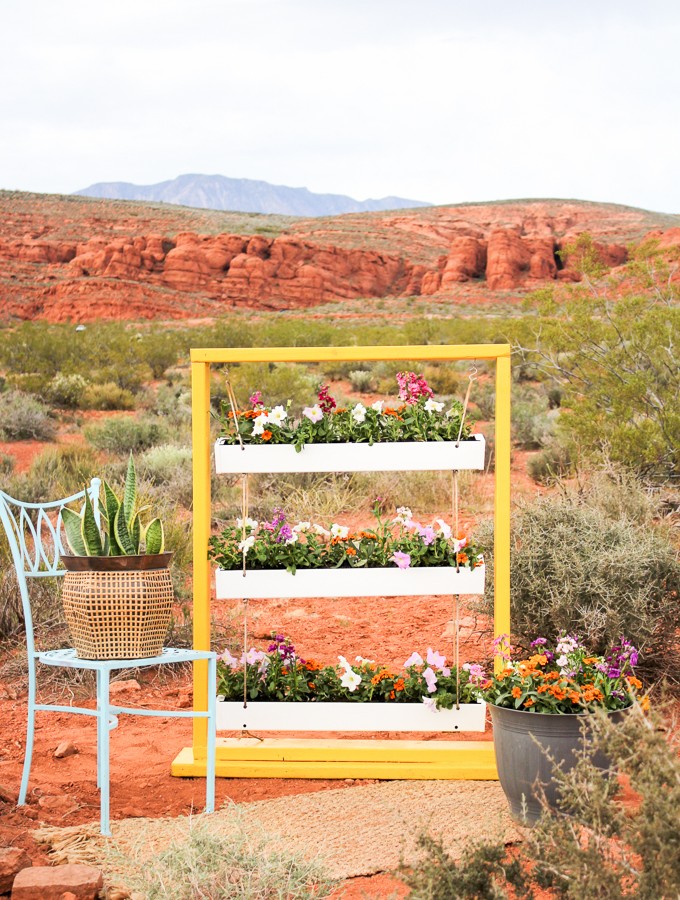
{"x": 313, "y": 716}
{"x": 348, "y": 582}
{"x": 381, "y": 457}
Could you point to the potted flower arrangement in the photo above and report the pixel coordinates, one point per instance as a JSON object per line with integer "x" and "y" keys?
{"x": 117, "y": 588}
{"x": 390, "y": 558}
{"x": 540, "y": 707}
{"x": 417, "y": 432}
{"x": 285, "y": 692}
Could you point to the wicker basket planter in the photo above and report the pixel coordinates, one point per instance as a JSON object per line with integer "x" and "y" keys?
{"x": 118, "y": 607}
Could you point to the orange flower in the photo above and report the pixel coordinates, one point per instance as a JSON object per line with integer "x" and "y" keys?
{"x": 574, "y": 696}
{"x": 392, "y": 695}
{"x": 313, "y": 666}
{"x": 462, "y": 558}
{"x": 529, "y": 701}
{"x": 644, "y": 703}
{"x": 516, "y": 692}
{"x": 350, "y": 551}
{"x": 311, "y": 685}
{"x": 266, "y": 435}
{"x": 633, "y": 681}
{"x": 399, "y": 684}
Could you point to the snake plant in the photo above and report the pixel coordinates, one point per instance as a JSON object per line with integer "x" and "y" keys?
{"x": 120, "y": 532}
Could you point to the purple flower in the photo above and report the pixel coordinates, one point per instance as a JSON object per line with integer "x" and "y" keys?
{"x": 402, "y": 560}
{"x": 634, "y": 658}
{"x": 256, "y": 398}
{"x": 431, "y": 680}
{"x": 436, "y": 659}
{"x": 229, "y": 660}
{"x": 285, "y": 534}
{"x": 613, "y": 672}
{"x": 427, "y": 534}
{"x": 539, "y": 642}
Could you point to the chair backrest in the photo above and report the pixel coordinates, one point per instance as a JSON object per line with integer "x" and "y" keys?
{"x": 35, "y": 535}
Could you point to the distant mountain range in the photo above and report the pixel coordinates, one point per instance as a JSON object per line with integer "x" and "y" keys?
{"x": 243, "y": 195}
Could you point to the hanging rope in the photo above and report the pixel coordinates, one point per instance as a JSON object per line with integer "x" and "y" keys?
{"x": 456, "y": 649}
{"x": 471, "y": 377}
{"x": 244, "y": 517}
{"x": 234, "y": 410}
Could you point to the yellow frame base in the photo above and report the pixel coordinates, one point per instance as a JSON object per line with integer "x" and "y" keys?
{"x": 291, "y": 758}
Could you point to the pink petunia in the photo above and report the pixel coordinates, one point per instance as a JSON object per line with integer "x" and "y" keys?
{"x": 427, "y": 534}
{"x": 436, "y": 659}
{"x": 431, "y": 680}
{"x": 400, "y": 559}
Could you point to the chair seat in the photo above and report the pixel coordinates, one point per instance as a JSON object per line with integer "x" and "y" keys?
{"x": 68, "y": 657}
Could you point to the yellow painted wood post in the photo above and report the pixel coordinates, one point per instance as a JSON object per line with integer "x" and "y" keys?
{"x": 502, "y": 500}
{"x": 200, "y": 427}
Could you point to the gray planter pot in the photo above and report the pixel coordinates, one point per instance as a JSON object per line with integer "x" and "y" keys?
{"x": 522, "y": 741}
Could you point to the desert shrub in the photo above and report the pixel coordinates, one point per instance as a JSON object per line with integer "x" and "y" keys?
{"x": 123, "y": 434}
{"x": 278, "y": 383}
{"x": 7, "y": 464}
{"x": 24, "y": 418}
{"x": 444, "y": 380}
{"x": 584, "y": 564}
{"x": 552, "y": 463}
{"x": 483, "y": 396}
{"x": 56, "y": 472}
{"x": 361, "y": 380}
{"x": 592, "y": 847}
{"x": 67, "y": 391}
{"x": 242, "y": 862}
{"x": 169, "y": 466}
{"x": 108, "y": 396}
{"x": 531, "y": 422}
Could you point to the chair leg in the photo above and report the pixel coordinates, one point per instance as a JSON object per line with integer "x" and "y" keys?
{"x": 103, "y": 748}
{"x": 30, "y": 733}
{"x": 211, "y": 744}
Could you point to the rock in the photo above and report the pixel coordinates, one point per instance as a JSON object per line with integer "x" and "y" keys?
{"x": 127, "y": 686}
{"x": 466, "y": 260}
{"x": 12, "y": 861}
{"x": 52, "y": 882}
{"x": 7, "y": 795}
{"x": 58, "y": 802}
{"x": 65, "y": 748}
{"x": 133, "y": 812}
{"x": 508, "y": 258}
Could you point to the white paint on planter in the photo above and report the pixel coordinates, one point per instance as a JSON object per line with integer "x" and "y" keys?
{"x": 347, "y": 582}
{"x": 311, "y": 716}
{"x": 382, "y": 457}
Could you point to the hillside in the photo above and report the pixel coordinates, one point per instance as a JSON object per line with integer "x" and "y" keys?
{"x": 76, "y": 258}
{"x": 242, "y": 195}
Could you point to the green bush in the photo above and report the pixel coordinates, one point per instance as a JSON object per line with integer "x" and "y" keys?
{"x": 24, "y": 418}
{"x": 278, "y": 383}
{"x": 7, "y": 464}
{"x": 552, "y": 463}
{"x": 169, "y": 466}
{"x": 124, "y": 434}
{"x": 588, "y": 562}
{"x": 108, "y": 396}
{"x": 531, "y": 422}
{"x": 361, "y": 381}
{"x": 67, "y": 391}
{"x": 592, "y": 847}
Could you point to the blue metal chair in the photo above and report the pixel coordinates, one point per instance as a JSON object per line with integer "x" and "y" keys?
{"x": 35, "y": 536}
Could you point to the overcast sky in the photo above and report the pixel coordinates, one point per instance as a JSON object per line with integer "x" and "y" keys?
{"x": 438, "y": 100}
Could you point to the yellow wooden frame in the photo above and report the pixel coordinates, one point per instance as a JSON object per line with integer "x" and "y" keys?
{"x": 321, "y": 758}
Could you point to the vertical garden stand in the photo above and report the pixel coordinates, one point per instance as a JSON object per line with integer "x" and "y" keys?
{"x": 322, "y": 758}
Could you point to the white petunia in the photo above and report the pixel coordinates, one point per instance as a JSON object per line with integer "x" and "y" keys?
{"x": 562, "y": 661}
{"x": 313, "y": 413}
{"x": 444, "y": 528}
{"x": 321, "y": 530}
{"x": 351, "y": 680}
{"x": 362, "y": 659}
{"x": 277, "y": 415}
{"x": 378, "y": 405}
{"x": 244, "y": 546}
{"x": 459, "y": 544}
{"x": 339, "y": 531}
{"x": 344, "y": 663}
{"x": 433, "y": 406}
{"x": 258, "y": 425}
{"x": 359, "y": 413}
{"x": 293, "y": 539}
{"x": 302, "y": 526}
{"x": 249, "y": 523}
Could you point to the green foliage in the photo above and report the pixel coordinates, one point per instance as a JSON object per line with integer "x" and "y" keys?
{"x": 67, "y": 391}
{"x": 108, "y": 396}
{"x": 591, "y": 848}
{"x": 121, "y": 532}
{"x": 551, "y": 464}
{"x": 7, "y": 464}
{"x": 615, "y": 361}
{"x": 531, "y": 421}
{"x": 592, "y": 562}
{"x": 126, "y": 434}
{"x": 24, "y": 418}
{"x": 277, "y": 382}
{"x": 240, "y": 862}
{"x": 361, "y": 380}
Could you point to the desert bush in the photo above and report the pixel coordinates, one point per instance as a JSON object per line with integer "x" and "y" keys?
{"x": 24, "y": 418}
{"x": 123, "y": 434}
{"x": 531, "y": 422}
{"x": 278, "y": 383}
{"x": 241, "y": 862}
{"x": 552, "y": 463}
{"x": 592, "y": 847}
{"x": 583, "y": 563}
{"x": 169, "y": 466}
{"x": 361, "y": 380}
{"x": 483, "y": 397}
{"x": 67, "y": 391}
{"x": 56, "y": 472}
{"x": 7, "y": 464}
{"x": 108, "y": 396}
